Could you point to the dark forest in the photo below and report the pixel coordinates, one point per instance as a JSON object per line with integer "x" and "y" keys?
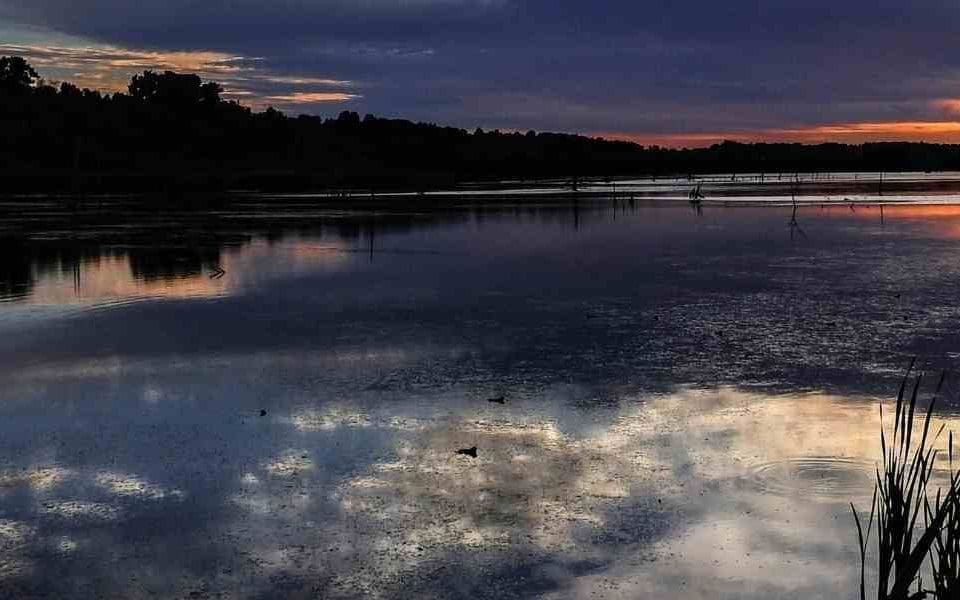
{"x": 177, "y": 131}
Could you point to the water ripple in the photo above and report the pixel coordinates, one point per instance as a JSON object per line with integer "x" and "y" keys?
{"x": 814, "y": 477}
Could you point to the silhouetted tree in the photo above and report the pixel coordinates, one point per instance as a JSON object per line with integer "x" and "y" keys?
{"x": 349, "y": 117}
{"x": 210, "y": 93}
{"x": 16, "y": 75}
{"x": 174, "y": 90}
{"x": 68, "y": 90}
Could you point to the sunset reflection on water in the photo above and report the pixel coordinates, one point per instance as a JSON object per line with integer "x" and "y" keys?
{"x": 119, "y": 277}
{"x": 691, "y": 402}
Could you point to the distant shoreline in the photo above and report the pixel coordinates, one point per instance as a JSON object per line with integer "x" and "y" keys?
{"x": 172, "y": 135}
{"x": 164, "y": 186}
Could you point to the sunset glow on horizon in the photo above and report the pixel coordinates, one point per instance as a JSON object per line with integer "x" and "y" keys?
{"x": 941, "y": 132}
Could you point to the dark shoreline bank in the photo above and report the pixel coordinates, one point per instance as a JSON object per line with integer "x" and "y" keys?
{"x": 199, "y": 191}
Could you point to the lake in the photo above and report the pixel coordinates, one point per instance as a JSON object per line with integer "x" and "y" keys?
{"x": 265, "y": 398}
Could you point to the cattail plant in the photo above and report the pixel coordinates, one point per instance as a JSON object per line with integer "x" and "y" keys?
{"x": 900, "y": 495}
{"x": 945, "y": 554}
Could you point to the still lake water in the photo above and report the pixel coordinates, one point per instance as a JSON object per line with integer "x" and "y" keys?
{"x": 691, "y": 399}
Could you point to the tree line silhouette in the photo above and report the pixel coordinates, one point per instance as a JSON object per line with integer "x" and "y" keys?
{"x": 173, "y": 129}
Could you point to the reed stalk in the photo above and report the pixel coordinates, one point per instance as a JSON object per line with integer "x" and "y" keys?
{"x": 900, "y": 496}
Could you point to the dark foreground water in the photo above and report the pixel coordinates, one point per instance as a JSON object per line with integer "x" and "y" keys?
{"x": 691, "y": 399}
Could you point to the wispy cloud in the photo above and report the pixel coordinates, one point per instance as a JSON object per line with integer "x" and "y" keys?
{"x": 109, "y": 68}
{"x": 950, "y": 106}
{"x": 305, "y": 81}
{"x": 311, "y": 97}
{"x": 114, "y": 57}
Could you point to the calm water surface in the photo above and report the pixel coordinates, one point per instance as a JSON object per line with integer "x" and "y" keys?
{"x": 691, "y": 400}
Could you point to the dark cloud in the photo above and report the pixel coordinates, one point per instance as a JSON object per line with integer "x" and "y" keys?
{"x": 638, "y": 67}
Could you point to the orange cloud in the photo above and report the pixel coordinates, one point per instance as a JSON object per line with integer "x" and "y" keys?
{"x": 311, "y": 97}
{"x": 306, "y": 81}
{"x": 950, "y": 105}
{"x": 109, "y": 68}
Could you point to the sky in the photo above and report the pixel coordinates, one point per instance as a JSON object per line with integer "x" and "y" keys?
{"x": 669, "y": 72}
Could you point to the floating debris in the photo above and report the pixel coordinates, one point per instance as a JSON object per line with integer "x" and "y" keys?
{"x": 471, "y": 452}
